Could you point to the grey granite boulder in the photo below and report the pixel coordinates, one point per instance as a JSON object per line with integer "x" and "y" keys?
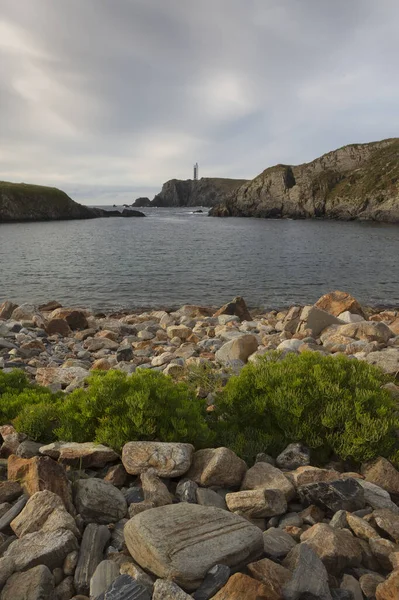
{"x": 310, "y": 577}
{"x": 183, "y": 541}
{"x": 98, "y": 501}
{"x": 46, "y": 548}
{"x": 35, "y": 584}
{"x": 168, "y": 459}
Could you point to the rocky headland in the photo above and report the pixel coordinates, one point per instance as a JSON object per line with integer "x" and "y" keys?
{"x": 206, "y": 191}
{"x": 21, "y": 202}
{"x": 359, "y": 181}
{"x": 164, "y": 521}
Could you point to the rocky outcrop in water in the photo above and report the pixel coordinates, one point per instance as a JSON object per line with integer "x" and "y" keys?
{"x": 207, "y": 191}
{"x": 142, "y": 202}
{"x": 359, "y": 181}
{"x": 24, "y": 202}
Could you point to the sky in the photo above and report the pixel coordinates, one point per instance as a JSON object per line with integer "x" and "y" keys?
{"x": 111, "y": 98}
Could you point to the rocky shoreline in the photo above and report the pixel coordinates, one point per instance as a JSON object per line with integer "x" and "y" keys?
{"x": 59, "y": 347}
{"x": 167, "y": 521}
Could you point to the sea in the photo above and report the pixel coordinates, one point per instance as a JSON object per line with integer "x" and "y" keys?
{"x": 177, "y": 256}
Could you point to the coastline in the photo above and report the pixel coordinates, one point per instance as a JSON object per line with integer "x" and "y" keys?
{"x": 59, "y": 347}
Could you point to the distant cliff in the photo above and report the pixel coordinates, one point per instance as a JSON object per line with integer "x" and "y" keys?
{"x": 24, "y": 202}
{"x": 207, "y": 191}
{"x": 360, "y": 181}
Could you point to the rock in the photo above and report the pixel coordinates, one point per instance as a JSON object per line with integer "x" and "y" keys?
{"x": 271, "y": 574}
{"x": 389, "y": 590}
{"x": 338, "y": 302}
{"x": 130, "y": 568}
{"x": 239, "y": 348}
{"x": 6, "y": 309}
{"x": 376, "y": 497}
{"x": 105, "y": 574}
{"x": 207, "y": 497}
{"x": 236, "y": 307}
{"x": 309, "y": 577}
{"x": 42, "y": 547}
{"x": 35, "y": 584}
{"x": 139, "y": 507}
{"x": 315, "y": 320}
{"x": 290, "y": 519}
{"x": 217, "y": 467}
{"x": 70, "y": 562}
{"x": 352, "y": 585}
{"x": 214, "y": 580}
{"x": 336, "y": 548}
{"x": 386, "y": 359}
{"x": 257, "y": 503}
{"x": 312, "y": 514}
{"x": 58, "y": 326}
{"x": 155, "y": 491}
{"x": 360, "y": 527}
{"x": 85, "y": 455}
{"x": 7, "y": 568}
{"x": 183, "y": 541}
{"x": 366, "y": 330}
{"x": 98, "y": 501}
{"x": 41, "y": 473}
{"x": 167, "y": 590}
{"x": 382, "y": 550}
{"x": 242, "y": 587}
{"x": 24, "y": 312}
{"x": 294, "y": 456}
{"x": 168, "y": 459}
{"x": 368, "y": 584}
{"x": 116, "y": 475}
{"x": 28, "y": 449}
{"x": 124, "y": 354}
{"x": 180, "y": 331}
{"x": 75, "y": 318}
{"x": 44, "y": 511}
{"x": 277, "y": 543}
{"x": 186, "y": 491}
{"x": 343, "y": 494}
{"x": 63, "y": 376}
{"x": 308, "y": 474}
{"x": 264, "y": 476}
{"x": 9, "y": 491}
{"x": 382, "y": 473}
{"x": 388, "y": 522}
{"x": 348, "y": 317}
{"x": 65, "y": 589}
{"x": 292, "y": 345}
{"x": 12, "y": 512}
{"x": 125, "y": 588}
{"x": 90, "y": 555}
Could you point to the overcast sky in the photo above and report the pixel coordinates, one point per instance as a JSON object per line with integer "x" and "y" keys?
{"x": 125, "y": 94}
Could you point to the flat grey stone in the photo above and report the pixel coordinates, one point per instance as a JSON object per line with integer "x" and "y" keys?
{"x": 35, "y": 584}
{"x": 98, "y": 501}
{"x": 90, "y": 555}
{"x": 207, "y": 497}
{"x": 104, "y": 575}
{"x": 126, "y": 588}
{"x": 310, "y": 577}
{"x": 277, "y": 543}
{"x": 183, "y": 541}
{"x": 48, "y": 548}
{"x": 214, "y": 580}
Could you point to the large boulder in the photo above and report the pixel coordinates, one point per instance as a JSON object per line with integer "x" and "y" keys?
{"x": 75, "y": 318}
{"x": 167, "y": 459}
{"x": 338, "y": 302}
{"x": 368, "y": 331}
{"x": 386, "y": 359}
{"x": 83, "y": 455}
{"x": 256, "y": 504}
{"x": 236, "y": 307}
{"x": 35, "y": 584}
{"x": 239, "y": 348}
{"x": 6, "y": 309}
{"x": 63, "y": 376}
{"x": 309, "y": 578}
{"x": 48, "y": 548}
{"x": 343, "y": 494}
{"x": 183, "y": 541}
{"x": 217, "y": 467}
{"x": 44, "y": 511}
{"x": 98, "y": 501}
{"x": 316, "y": 320}
{"x": 264, "y": 476}
{"x": 41, "y": 473}
{"x": 336, "y": 548}
{"x": 383, "y": 474}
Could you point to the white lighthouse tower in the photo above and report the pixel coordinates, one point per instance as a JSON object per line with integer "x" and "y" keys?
{"x": 196, "y": 172}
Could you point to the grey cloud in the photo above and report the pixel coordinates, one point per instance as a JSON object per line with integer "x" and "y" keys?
{"x": 132, "y": 92}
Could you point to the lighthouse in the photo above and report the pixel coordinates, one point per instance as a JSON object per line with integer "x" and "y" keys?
{"x": 196, "y": 172}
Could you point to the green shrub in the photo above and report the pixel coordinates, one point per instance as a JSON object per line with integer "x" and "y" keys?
{"x": 116, "y": 408}
{"x": 38, "y": 421}
{"x": 16, "y": 393}
{"x": 334, "y": 405}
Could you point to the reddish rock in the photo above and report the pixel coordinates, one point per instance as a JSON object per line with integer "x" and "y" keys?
{"x": 236, "y": 307}
{"x": 382, "y": 473}
{"x": 271, "y": 574}
{"x": 116, "y": 475}
{"x": 338, "y": 302}
{"x": 75, "y": 318}
{"x": 336, "y": 548}
{"x": 59, "y": 326}
{"x": 6, "y": 309}
{"x": 389, "y": 590}
{"x": 41, "y": 473}
{"x": 50, "y": 306}
{"x": 242, "y": 587}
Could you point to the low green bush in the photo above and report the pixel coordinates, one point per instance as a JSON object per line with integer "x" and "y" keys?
{"x": 334, "y": 405}
{"x": 16, "y": 393}
{"x": 147, "y": 405}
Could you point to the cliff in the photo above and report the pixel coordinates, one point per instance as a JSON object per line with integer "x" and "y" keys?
{"x": 359, "y": 181}
{"x": 24, "y": 202}
{"x": 207, "y": 191}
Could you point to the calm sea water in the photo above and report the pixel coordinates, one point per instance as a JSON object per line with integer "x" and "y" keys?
{"x": 174, "y": 257}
